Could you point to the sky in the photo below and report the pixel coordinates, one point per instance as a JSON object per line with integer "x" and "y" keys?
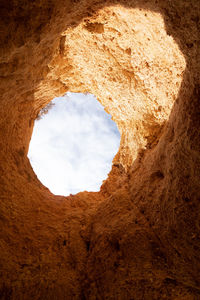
{"x": 73, "y": 145}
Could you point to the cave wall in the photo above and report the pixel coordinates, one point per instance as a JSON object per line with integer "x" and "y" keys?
{"x": 138, "y": 238}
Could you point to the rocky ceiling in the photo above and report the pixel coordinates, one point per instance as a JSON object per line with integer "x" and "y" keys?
{"x": 139, "y": 237}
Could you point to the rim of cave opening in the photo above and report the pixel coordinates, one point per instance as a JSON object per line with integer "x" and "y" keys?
{"x": 73, "y": 144}
{"x": 137, "y": 82}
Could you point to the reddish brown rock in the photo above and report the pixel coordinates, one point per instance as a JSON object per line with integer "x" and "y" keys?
{"x": 139, "y": 237}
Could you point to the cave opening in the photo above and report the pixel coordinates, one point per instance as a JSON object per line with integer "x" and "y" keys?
{"x": 73, "y": 144}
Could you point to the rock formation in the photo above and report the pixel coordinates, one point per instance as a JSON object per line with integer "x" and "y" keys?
{"x": 139, "y": 237}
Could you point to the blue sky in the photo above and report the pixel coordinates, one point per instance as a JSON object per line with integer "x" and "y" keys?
{"x": 72, "y": 147}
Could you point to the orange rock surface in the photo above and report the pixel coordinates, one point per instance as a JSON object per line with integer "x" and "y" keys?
{"x": 139, "y": 237}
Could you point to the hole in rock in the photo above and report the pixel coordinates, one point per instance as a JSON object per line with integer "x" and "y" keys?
{"x": 73, "y": 144}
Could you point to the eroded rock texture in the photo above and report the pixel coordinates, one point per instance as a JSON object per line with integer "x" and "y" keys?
{"x": 139, "y": 237}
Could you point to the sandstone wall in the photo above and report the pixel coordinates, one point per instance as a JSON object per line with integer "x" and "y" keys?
{"x": 138, "y": 238}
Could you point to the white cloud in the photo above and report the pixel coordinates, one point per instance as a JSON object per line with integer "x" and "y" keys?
{"x": 72, "y": 146}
